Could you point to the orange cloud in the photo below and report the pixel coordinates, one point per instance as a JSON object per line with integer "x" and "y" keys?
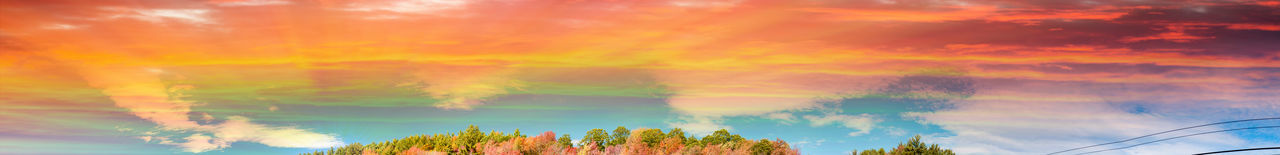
{"x": 978, "y": 12}
{"x": 1175, "y": 33}
{"x": 949, "y": 14}
{"x": 1254, "y": 27}
{"x": 144, "y": 95}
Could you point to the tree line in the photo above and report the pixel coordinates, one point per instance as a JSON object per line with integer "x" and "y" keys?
{"x": 913, "y": 147}
{"x": 595, "y": 142}
{"x": 599, "y": 142}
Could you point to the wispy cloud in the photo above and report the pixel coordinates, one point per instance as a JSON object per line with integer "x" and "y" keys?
{"x": 408, "y": 6}
{"x": 62, "y": 27}
{"x": 190, "y": 16}
{"x": 699, "y": 125}
{"x": 1038, "y": 128}
{"x": 146, "y": 96}
{"x": 464, "y": 87}
{"x": 234, "y": 3}
{"x": 240, "y": 129}
{"x": 861, "y": 123}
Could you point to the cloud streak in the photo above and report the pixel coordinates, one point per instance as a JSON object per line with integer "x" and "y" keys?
{"x": 861, "y": 123}
{"x": 145, "y": 95}
{"x": 463, "y": 87}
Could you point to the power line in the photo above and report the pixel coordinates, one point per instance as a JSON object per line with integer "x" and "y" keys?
{"x": 1238, "y": 150}
{"x": 1249, "y": 128}
{"x": 1149, "y": 135}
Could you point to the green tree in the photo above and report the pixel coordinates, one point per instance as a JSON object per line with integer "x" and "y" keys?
{"x": 597, "y": 136}
{"x": 720, "y": 137}
{"x": 467, "y": 139}
{"x": 652, "y": 137}
{"x": 565, "y": 141}
{"x": 676, "y": 132}
{"x": 692, "y": 141}
{"x": 870, "y": 152}
{"x": 620, "y": 136}
{"x": 914, "y": 146}
{"x": 762, "y": 147}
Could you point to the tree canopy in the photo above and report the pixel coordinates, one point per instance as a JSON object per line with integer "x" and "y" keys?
{"x": 913, "y": 147}
{"x": 595, "y": 142}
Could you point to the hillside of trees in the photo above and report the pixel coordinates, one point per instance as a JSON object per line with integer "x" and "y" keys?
{"x": 594, "y": 142}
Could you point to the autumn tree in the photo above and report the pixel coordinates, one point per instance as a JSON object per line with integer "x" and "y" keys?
{"x": 596, "y": 142}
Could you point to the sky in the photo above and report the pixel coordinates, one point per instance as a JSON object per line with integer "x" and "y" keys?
{"x": 827, "y": 76}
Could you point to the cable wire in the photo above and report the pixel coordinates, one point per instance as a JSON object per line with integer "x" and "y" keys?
{"x": 1238, "y": 150}
{"x": 1249, "y": 128}
{"x": 1149, "y": 135}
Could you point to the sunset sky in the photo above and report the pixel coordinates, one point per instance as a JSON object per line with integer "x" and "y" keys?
{"x": 828, "y": 76}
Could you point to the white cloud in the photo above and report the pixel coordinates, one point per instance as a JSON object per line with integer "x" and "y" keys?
{"x": 895, "y": 131}
{"x": 702, "y": 97}
{"x": 808, "y": 143}
{"x": 714, "y": 106}
{"x": 252, "y": 3}
{"x": 785, "y": 118}
{"x": 62, "y": 27}
{"x": 703, "y": 114}
{"x": 191, "y": 16}
{"x": 197, "y": 143}
{"x": 863, "y": 123}
{"x": 238, "y": 128}
{"x": 409, "y": 6}
{"x": 383, "y": 17}
{"x": 994, "y": 127}
{"x": 699, "y": 125}
{"x": 195, "y": 16}
{"x": 706, "y": 3}
{"x": 145, "y": 138}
